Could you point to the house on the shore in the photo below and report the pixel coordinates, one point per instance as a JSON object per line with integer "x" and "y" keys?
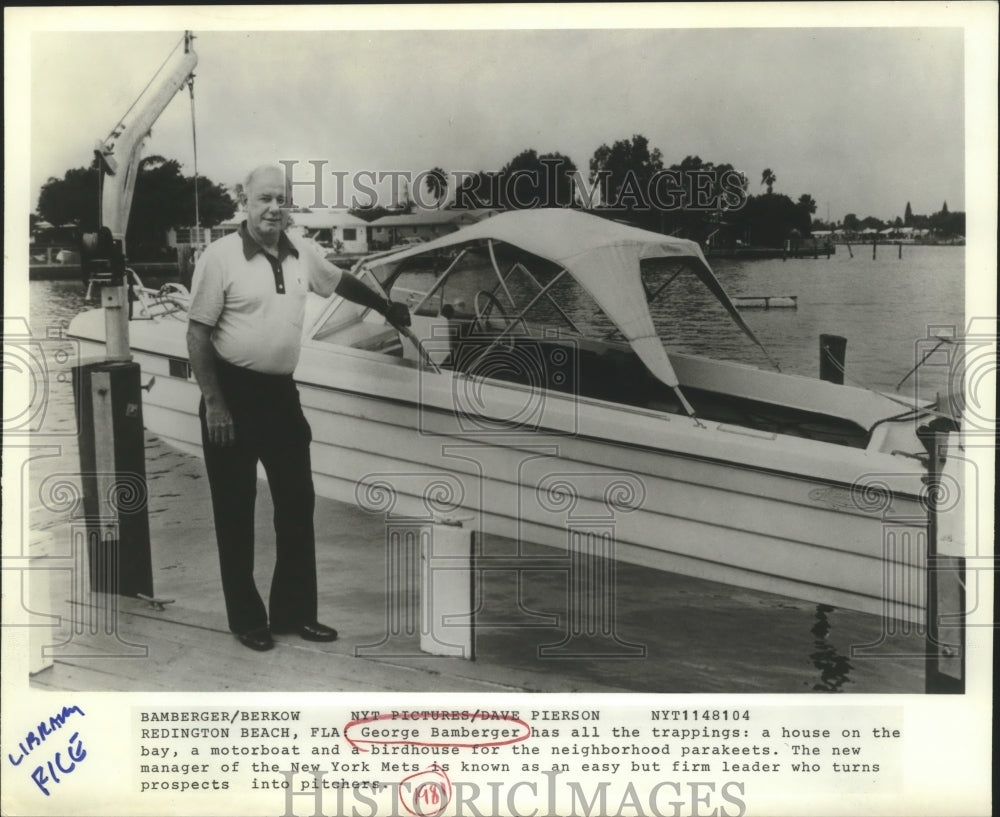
{"x": 331, "y": 229}
{"x": 334, "y": 229}
{"x": 904, "y": 233}
{"x": 393, "y": 229}
{"x": 183, "y": 237}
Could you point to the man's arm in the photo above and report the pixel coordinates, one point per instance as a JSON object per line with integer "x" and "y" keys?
{"x": 322, "y": 273}
{"x": 201, "y": 353}
{"x": 351, "y": 288}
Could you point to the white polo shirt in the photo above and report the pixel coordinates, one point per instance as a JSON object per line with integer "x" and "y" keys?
{"x": 256, "y": 302}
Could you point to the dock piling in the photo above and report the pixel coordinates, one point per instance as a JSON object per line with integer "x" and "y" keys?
{"x": 113, "y": 477}
{"x": 832, "y": 354}
{"x": 946, "y": 603}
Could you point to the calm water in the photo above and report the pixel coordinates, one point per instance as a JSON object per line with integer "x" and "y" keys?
{"x": 883, "y": 308}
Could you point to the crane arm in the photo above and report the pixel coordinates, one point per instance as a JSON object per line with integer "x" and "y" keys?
{"x": 119, "y": 155}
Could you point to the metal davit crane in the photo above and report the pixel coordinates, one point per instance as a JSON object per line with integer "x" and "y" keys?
{"x": 118, "y": 158}
{"x": 108, "y": 392}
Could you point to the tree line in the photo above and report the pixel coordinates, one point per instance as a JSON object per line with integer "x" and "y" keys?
{"x": 944, "y": 222}
{"x": 164, "y": 199}
{"x": 627, "y": 180}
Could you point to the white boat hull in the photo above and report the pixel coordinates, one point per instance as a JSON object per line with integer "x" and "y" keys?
{"x": 826, "y": 523}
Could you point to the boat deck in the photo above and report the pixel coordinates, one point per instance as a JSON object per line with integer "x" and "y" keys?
{"x": 616, "y": 374}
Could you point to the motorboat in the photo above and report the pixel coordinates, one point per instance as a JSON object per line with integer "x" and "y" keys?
{"x": 534, "y": 393}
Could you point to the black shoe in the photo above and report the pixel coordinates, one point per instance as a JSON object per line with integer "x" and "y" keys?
{"x": 310, "y": 632}
{"x": 259, "y": 639}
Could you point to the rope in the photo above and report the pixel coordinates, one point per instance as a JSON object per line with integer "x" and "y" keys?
{"x": 143, "y": 91}
{"x": 899, "y": 401}
{"x": 941, "y": 341}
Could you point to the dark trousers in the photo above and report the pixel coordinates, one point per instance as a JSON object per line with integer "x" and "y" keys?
{"x": 270, "y": 428}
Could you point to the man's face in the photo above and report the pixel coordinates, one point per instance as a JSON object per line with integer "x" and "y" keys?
{"x": 265, "y": 199}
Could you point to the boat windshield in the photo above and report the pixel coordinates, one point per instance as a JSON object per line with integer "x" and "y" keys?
{"x": 685, "y": 313}
{"x": 526, "y": 295}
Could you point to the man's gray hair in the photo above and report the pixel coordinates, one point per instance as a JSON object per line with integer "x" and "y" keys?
{"x": 258, "y": 171}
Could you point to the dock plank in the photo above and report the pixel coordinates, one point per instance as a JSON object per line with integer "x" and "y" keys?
{"x": 199, "y": 658}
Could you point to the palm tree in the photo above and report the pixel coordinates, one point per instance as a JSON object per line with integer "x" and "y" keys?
{"x": 768, "y": 178}
{"x": 437, "y": 185}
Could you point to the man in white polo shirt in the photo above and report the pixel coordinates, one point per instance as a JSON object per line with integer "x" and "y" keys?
{"x": 244, "y": 337}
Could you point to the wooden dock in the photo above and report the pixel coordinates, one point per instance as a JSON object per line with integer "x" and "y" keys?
{"x": 792, "y": 250}
{"x": 766, "y": 301}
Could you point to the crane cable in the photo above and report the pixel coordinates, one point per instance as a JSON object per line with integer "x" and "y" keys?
{"x": 114, "y": 130}
{"x": 194, "y": 142}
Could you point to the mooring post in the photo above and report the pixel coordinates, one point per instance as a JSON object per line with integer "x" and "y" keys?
{"x": 448, "y": 591}
{"x": 944, "y": 658}
{"x": 899, "y": 244}
{"x": 832, "y": 354}
{"x": 111, "y": 443}
{"x": 874, "y": 245}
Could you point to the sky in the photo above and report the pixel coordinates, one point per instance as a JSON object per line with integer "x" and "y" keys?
{"x": 862, "y": 119}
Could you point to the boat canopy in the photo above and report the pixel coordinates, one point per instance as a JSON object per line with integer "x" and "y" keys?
{"x": 603, "y": 256}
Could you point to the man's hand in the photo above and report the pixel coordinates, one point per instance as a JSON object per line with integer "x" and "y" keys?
{"x": 220, "y": 424}
{"x": 202, "y": 356}
{"x": 351, "y": 288}
{"x": 397, "y": 314}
